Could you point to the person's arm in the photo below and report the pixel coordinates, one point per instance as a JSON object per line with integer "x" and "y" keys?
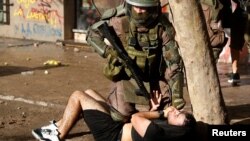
{"x": 141, "y": 120}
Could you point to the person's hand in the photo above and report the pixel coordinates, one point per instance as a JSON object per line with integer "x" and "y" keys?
{"x": 168, "y": 109}
{"x": 110, "y": 51}
{"x": 155, "y": 100}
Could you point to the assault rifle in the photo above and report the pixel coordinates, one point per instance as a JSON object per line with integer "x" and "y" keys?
{"x": 110, "y": 34}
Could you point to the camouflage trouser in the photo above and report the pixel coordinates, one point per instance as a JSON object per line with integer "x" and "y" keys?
{"x": 176, "y": 86}
{"x": 216, "y": 53}
{"x": 174, "y": 74}
{"x": 117, "y": 100}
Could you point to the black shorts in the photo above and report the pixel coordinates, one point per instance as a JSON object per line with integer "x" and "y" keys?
{"x": 102, "y": 126}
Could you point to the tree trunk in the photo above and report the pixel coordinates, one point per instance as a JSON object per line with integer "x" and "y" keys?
{"x": 201, "y": 72}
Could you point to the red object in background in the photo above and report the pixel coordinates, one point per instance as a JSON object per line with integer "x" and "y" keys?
{"x": 164, "y": 9}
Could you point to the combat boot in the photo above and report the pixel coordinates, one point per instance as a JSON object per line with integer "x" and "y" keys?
{"x": 178, "y": 101}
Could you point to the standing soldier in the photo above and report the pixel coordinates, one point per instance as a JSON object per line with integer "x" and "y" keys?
{"x": 148, "y": 38}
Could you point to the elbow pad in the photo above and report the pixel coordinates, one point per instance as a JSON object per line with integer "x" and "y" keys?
{"x": 98, "y": 45}
{"x": 96, "y": 40}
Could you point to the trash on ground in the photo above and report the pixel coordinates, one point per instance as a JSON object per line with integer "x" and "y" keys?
{"x": 27, "y": 73}
{"x": 46, "y": 72}
{"x": 6, "y": 63}
{"x": 52, "y": 63}
{"x": 76, "y": 50}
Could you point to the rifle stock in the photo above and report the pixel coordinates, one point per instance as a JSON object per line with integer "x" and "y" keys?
{"x": 110, "y": 34}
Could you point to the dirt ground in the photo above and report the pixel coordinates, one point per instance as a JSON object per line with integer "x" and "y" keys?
{"x": 30, "y": 100}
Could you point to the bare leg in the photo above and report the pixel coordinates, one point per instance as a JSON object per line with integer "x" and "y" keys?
{"x": 97, "y": 96}
{"x": 235, "y": 54}
{"x": 78, "y": 101}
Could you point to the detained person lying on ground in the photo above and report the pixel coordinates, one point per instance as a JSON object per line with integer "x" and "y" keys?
{"x": 169, "y": 124}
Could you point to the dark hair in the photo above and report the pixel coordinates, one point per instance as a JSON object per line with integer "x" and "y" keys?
{"x": 190, "y": 121}
{"x": 190, "y": 125}
{"x": 185, "y": 132}
{"x": 237, "y": 1}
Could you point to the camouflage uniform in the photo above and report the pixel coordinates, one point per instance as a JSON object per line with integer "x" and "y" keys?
{"x": 216, "y": 34}
{"x": 152, "y": 48}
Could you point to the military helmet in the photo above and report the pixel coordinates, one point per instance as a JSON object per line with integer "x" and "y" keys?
{"x": 143, "y": 19}
{"x": 143, "y": 3}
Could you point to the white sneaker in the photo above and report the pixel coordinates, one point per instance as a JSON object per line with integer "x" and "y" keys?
{"x": 47, "y": 133}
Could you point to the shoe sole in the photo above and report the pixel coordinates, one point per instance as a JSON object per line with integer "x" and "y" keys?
{"x": 37, "y": 136}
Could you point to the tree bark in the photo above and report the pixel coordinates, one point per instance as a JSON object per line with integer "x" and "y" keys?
{"x": 201, "y": 72}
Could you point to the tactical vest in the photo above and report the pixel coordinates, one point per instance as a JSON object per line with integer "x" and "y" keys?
{"x": 144, "y": 47}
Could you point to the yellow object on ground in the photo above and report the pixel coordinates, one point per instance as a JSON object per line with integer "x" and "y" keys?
{"x": 52, "y": 63}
